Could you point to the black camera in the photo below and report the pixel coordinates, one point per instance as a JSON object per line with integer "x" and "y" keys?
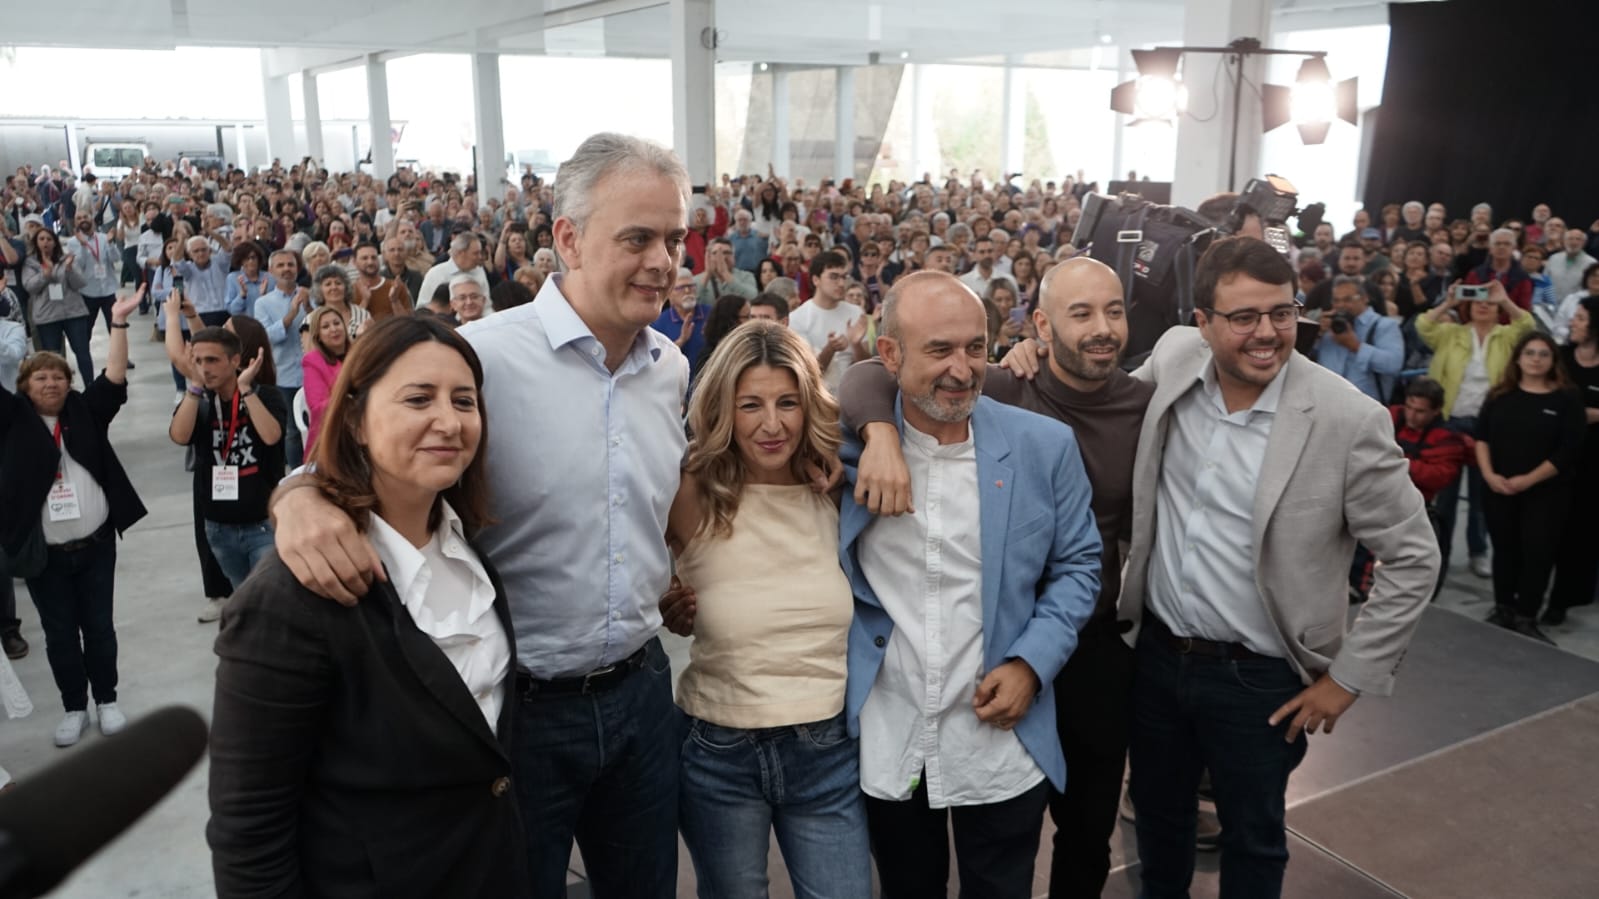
{"x": 1341, "y": 322}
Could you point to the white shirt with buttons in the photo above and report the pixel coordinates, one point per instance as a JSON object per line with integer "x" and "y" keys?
{"x": 450, "y": 597}
{"x": 1202, "y": 570}
{"x": 926, "y": 568}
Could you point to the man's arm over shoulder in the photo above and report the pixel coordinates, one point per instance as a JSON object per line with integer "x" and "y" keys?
{"x": 1069, "y": 584}
{"x": 1384, "y": 512}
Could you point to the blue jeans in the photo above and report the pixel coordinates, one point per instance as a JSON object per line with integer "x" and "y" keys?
{"x": 238, "y": 547}
{"x": 1192, "y": 713}
{"x": 602, "y": 767}
{"x": 54, "y": 336}
{"x": 802, "y": 781}
{"x": 73, "y": 596}
{"x": 1447, "y": 502}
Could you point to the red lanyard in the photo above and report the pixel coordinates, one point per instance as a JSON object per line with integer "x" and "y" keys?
{"x": 233, "y": 425}
{"x": 93, "y": 246}
{"x": 61, "y": 465}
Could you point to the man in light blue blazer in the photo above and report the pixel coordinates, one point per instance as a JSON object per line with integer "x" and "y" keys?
{"x": 965, "y": 609}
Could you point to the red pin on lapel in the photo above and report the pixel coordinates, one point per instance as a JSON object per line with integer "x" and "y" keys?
{"x": 999, "y": 483}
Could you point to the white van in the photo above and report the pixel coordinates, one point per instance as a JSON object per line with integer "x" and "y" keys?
{"x": 114, "y": 161}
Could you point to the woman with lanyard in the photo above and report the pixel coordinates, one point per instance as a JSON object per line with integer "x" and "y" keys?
{"x": 63, "y": 500}
{"x": 249, "y": 279}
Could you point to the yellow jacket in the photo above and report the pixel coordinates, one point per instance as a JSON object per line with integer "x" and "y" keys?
{"x": 1452, "y": 345}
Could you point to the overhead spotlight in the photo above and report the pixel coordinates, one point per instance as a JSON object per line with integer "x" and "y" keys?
{"x": 1158, "y": 93}
{"x": 904, "y": 54}
{"x": 764, "y": 67}
{"x": 1312, "y": 103}
{"x": 1104, "y": 39}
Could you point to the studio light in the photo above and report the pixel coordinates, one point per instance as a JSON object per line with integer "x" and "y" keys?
{"x": 1312, "y": 103}
{"x": 1158, "y": 93}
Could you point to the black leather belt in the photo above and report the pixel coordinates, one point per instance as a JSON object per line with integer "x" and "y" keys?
{"x": 72, "y": 546}
{"x": 597, "y": 681}
{"x": 1196, "y": 646}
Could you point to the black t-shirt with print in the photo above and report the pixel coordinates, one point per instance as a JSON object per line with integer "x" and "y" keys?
{"x": 260, "y": 466}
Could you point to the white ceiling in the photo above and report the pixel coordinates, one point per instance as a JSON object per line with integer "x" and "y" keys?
{"x": 322, "y": 34}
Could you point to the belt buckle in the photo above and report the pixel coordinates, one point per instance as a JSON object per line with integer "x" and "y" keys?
{"x": 599, "y": 672}
{"x": 1185, "y": 645}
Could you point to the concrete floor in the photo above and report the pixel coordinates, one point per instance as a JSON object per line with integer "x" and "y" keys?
{"x": 166, "y": 656}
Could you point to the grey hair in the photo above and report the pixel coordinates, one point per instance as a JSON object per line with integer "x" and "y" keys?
{"x": 462, "y": 278}
{"x": 1341, "y": 280}
{"x": 1415, "y": 204}
{"x": 330, "y": 271}
{"x": 1483, "y": 206}
{"x": 684, "y": 271}
{"x": 959, "y": 229}
{"x": 1506, "y": 231}
{"x": 542, "y": 252}
{"x": 600, "y": 155}
{"x": 783, "y": 287}
{"x": 461, "y": 241}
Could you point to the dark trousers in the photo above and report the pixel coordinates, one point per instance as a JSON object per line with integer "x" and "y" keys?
{"x": 1448, "y": 505}
{"x": 212, "y": 578}
{"x": 1577, "y": 557}
{"x": 1526, "y": 531}
{"x": 100, "y": 306}
{"x": 1192, "y": 713}
{"x": 293, "y": 440}
{"x": 9, "y": 622}
{"x": 73, "y": 596}
{"x": 54, "y": 336}
{"x": 995, "y": 845}
{"x": 603, "y": 768}
{"x": 1093, "y": 701}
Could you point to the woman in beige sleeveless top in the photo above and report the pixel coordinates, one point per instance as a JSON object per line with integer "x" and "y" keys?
{"x": 766, "y": 747}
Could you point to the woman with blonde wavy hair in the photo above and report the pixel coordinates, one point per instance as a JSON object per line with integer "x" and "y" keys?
{"x": 769, "y": 609}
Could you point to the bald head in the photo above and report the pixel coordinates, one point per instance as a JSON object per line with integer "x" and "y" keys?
{"x": 922, "y": 294}
{"x": 1084, "y": 322}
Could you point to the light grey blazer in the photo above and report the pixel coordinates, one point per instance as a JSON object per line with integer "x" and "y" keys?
{"x": 1333, "y": 475}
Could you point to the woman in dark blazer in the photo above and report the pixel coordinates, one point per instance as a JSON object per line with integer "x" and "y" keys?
{"x": 364, "y": 751}
{"x": 64, "y": 498}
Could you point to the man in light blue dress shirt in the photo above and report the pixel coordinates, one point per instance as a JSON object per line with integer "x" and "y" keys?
{"x": 1363, "y": 347}
{"x": 583, "y": 404}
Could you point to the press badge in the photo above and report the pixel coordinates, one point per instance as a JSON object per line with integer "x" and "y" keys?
{"x": 63, "y": 502}
{"x": 56, "y": 292}
{"x": 225, "y": 482}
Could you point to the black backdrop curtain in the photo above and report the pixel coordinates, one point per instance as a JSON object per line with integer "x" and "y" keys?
{"x": 1490, "y": 101}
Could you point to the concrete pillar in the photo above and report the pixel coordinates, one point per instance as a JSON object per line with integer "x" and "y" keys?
{"x": 377, "y": 102}
{"x": 74, "y": 163}
{"x": 844, "y": 123}
{"x": 694, "y": 87}
{"x": 313, "y": 117}
{"x": 241, "y": 151}
{"x": 279, "y": 118}
{"x": 923, "y": 138}
{"x": 1013, "y": 134}
{"x": 490, "y": 126}
{"x": 780, "y": 141}
{"x": 1203, "y": 148}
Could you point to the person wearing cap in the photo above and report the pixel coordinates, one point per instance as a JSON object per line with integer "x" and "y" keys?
{"x": 1371, "y": 243}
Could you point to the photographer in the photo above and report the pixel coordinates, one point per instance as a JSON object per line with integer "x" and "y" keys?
{"x": 1352, "y": 264}
{"x": 1364, "y": 348}
{"x": 1501, "y": 266}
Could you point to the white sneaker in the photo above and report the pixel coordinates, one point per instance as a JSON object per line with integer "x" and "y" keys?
{"x": 212, "y": 611}
{"x": 1481, "y": 567}
{"x": 111, "y": 718}
{"x": 70, "y": 730}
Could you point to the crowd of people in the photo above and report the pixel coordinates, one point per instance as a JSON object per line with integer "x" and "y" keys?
{"x": 945, "y": 564}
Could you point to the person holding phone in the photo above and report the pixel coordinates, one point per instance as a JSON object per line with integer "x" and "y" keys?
{"x": 1468, "y": 360}
{"x": 55, "y": 287}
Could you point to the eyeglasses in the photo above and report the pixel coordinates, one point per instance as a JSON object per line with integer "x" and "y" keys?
{"x": 683, "y": 288}
{"x": 1245, "y": 321}
{"x": 1531, "y": 353}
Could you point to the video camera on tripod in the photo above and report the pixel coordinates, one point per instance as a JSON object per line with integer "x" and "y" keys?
{"x": 1155, "y": 248}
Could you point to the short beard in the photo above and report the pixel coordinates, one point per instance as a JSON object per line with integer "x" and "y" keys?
{"x": 1077, "y": 364}
{"x": 948, "y": 413}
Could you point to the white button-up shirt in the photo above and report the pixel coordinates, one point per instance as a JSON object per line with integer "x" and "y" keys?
{"x": 450, "y": 597}
{"x": 1202, "y": 571}
{"x": 926, "y": 569}
{"x": 585, "y": 464}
